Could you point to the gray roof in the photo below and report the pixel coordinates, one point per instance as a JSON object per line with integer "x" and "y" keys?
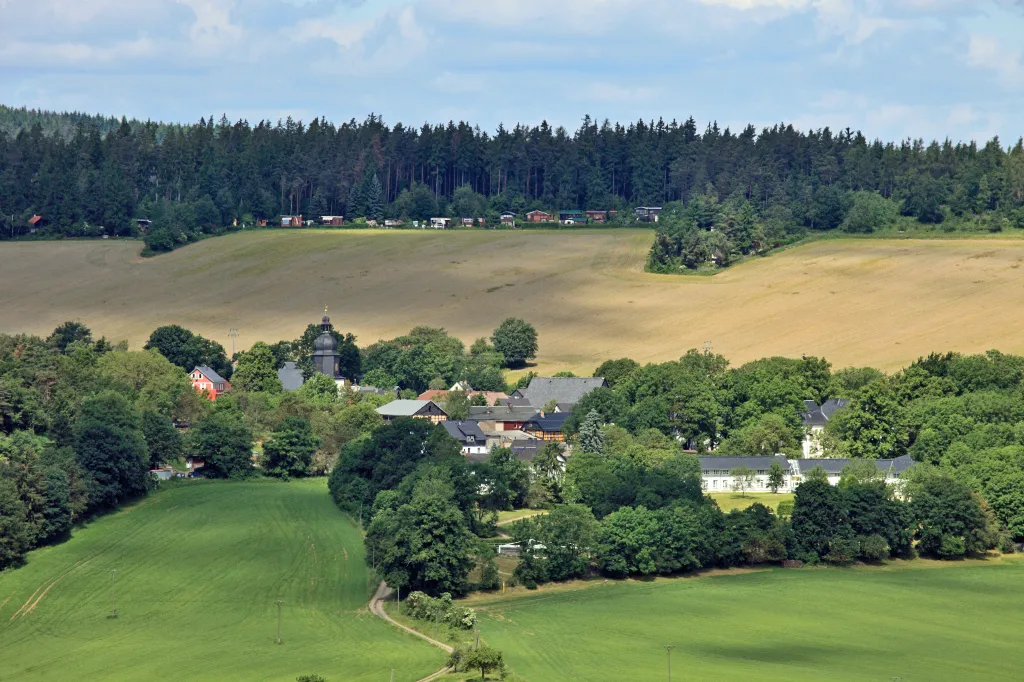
{"x": 501, "y": 413}
{"x": 552, "y": 422}
{"x": 211, "y": 375}
{"x": 892, "y": 467}
{"x": 711, "y": 463}
{"x": 290, "y": 376}
{"x": 819, "y": 416}
{"x": 563, "y": 390}
{"x": 465, "y": 431}
{"x": 527, "y": 450}
{"x": 403, "y": 408}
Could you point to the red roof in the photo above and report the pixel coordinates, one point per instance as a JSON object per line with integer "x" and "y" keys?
{"x": 34, "y": 219}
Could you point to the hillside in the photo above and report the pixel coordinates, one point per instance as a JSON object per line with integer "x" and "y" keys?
{"x": 198, "y": 570}
{"x": 911, "y": 622}
{"x": 856, "y": 302}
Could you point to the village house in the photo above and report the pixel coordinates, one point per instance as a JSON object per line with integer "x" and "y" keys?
{"x": 291, "y": 221}
{"x": 572, "y": 217}
{"x": 547, "y": 426}
{"x": 496, "y": 419}
{"x": 440, "y": 395}
{"x": 647, "y": 214}
{"x": 814, "y": 420}
{"x": 332, "y": 220}
{"x": 468, "y": 433}
{"x": 597, "y": 216}
{"x": 539, "y": 217}
{"x": 208, "y": 382}
{"x": 508, "y": 218}
{"x": 417, "y": 409}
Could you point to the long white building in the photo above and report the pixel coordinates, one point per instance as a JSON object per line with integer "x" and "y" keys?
{"x": 716, "y": 476}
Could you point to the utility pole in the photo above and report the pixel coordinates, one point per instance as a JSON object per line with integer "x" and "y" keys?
{"x": 392, "y": 675}
{"x": 278, "y": 602}
{"x": 669, "y": 648}
{"x": 233, "y": 333}
{"x": 113, "y": 606}
{"x": 478, "y": 639}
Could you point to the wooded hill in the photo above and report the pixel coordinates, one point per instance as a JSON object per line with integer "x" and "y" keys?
{"x": 88, "y": 177}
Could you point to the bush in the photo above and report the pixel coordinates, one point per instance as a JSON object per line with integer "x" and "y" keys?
{"x": 873, "y": 548}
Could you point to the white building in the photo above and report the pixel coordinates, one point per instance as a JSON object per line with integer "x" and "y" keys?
{"x": 470, "y": 436}
{"x": 815, "y": 419}
{"x": 716, "y": 476}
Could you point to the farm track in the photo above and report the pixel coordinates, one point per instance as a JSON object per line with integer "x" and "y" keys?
{"x": 377, "y": 609}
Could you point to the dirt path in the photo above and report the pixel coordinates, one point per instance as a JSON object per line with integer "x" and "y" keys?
{"x": 377, "y": 609}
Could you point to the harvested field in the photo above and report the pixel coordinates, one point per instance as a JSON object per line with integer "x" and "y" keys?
{"x": 857, "y": 302}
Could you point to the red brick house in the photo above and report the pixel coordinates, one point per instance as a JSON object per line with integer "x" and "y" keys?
{"x": 539, "y": 217}
{"x": 209, "y": 383}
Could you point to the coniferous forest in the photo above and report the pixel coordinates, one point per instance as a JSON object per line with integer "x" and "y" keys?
{"x": 726, "y": 193}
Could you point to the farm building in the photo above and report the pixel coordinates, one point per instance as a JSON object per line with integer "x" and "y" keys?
{"x": 565, "y": 391}
{"x": 647, "y": 214}
{"x": 332, "y": 220}
{"x": 208, "y": 382}
{"x": 467, "y": 222}
{"x": 440, "y": 223}
{"x": 539, "y": 217}
{"x": 469, "y": 435}
{"x": 572, "y": 217}
{"x": 597, "y": 216}
{"x": 417, "y": 409}
{"x": 502, "y": 417}
{"x": 814, "y": 420}
{"x": 290, "y": 377}
{"x": 392, "y": 223}
{"x": 508, "y": 218}
{"x": 291, "y": 221}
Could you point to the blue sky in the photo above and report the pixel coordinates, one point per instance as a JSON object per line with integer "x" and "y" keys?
{"x": 892, "y": 68}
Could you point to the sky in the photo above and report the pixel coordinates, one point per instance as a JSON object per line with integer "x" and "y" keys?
{"x": 894, "y": 69}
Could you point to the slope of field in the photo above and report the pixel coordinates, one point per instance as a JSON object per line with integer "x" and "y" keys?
{"x": 856, "y": 302}
{"x": 920, "y": 624}
{"x": 198, "y": 570}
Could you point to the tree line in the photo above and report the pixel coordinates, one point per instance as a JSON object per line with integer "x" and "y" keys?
{"x": 733, "y": 192}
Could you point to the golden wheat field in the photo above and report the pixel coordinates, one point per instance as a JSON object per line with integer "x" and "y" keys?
{"x": 856, "y": 302}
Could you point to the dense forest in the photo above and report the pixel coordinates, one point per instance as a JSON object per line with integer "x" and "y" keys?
{"x": 725, "y": 193}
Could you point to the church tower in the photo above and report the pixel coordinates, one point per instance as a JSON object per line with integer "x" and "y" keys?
{"x": 325, "y": 350}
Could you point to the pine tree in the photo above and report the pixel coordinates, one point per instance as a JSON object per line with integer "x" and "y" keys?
{"x": 375, "y": 199}
{"x": 590, "y": 437}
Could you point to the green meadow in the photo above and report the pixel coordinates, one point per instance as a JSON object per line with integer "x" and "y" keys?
{"x": 199, "y": 567}
{"x": 912, "y": 622}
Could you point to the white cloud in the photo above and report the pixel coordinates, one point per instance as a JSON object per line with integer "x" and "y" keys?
{"x": 987, "y": 52}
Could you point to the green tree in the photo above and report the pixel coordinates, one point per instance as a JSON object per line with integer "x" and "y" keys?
{"x": 289, "y": 450}
{"x": 319, "y": 390}
{"x": 257, "y": 370}
{"x": 152, "y": 383}
{"x": 614, "y": 371}
{"x": 869, "y": 212}
{"x": 516, "y": 340}
{"x": 821, "y": 525}
{"x": 224, "y": 442}
{"x": 951, "y": 521}
{"x": 15, "y": 532}
{"x": 110, "y": 446}
{"x": 590, "y": 436}
{"x": 776, "y": 477}
{"x": 456, "y": 405}
{"x": 742, "y": 479}
{"x": 162, "y": 440}
{"x": 189, "y": 350}
{"x": 67, "y": 334}
{"x": 486, "y": 659}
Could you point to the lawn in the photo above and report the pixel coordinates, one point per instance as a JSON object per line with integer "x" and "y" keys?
{"x": 509, "y": 517}
{"x": 857, "y": 302}
{"x": 199, "y": 567}
{"x": 912, "y": 622}
{"x": 729, "y": 501}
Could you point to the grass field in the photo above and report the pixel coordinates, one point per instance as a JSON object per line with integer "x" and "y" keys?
{"x": 913, "y": 623}
{"x": 856, "y": 302}
{"x": 729, "y": 501}
{"x": 198, "y": 570}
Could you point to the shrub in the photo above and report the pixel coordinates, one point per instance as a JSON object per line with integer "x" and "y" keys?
{"x": 873, "y": 548}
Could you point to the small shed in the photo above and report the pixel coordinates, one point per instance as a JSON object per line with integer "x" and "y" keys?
{"x": 440, "y": 223}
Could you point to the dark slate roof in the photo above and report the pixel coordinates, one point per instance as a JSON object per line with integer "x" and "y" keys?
{"x": 527, "y": 450}
{"x": 563, "y": 390}
{"x": 819, "y": 416}
{"x": 465, "y": 432}
{"x": 290, "y": 376}
{"x": 549, "y": 422}
{"x": 211, "y": 375}
{"x": 520, "y": 413}
{"x": 712, "y": 463}
{"x": 835, "y": 466}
